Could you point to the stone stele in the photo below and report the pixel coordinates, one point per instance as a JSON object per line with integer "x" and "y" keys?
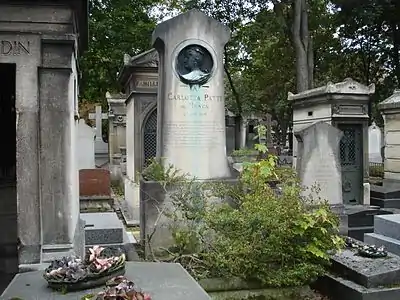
{"x": 191, "y": 131}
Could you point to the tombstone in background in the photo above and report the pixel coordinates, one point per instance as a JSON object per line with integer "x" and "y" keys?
{"x": 191, "y": 102}
{"x": 345, "y": 106}
{"x": 374, "y": 144}
{"x": 230, "y": 131}
{"x": 95, "y": 190}
{"x": 388, "y": 195}
{"x": 116, "y": 132}
{"x": 318, "y": 160}
{"x": 39, "y": 76}
{"x": 85, "y": 146}
{"x": 100, "y": 147}
{"x": 391, "y": 116}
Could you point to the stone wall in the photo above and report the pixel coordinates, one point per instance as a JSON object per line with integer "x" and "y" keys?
{"x": 41, "y": 39}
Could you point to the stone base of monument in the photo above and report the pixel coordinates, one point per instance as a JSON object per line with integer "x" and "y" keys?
{"x": 358, "y": 278}
{"x": 96, "y": 204}
{"x": 386, "y": 233}
{"x": 161, "y": 280}
{"x": 155, "y": 204}
{"x": 106, "y": 230}
{"x": 386, "y": 195}
{"x": 357, "y": 220}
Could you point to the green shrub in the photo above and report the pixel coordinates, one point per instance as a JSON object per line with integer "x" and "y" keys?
{"x": 376, "y": 170}
{"x": 258, "y": 234}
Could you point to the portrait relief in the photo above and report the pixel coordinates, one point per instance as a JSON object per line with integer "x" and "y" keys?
{"x": 194, "y": 65}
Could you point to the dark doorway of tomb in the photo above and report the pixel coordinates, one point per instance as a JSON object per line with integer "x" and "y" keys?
{"x": 8, "y": 178}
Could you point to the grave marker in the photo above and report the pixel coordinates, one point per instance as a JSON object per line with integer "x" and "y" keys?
{"x": 100, "y": 147}
{"x": 191, "y": 100}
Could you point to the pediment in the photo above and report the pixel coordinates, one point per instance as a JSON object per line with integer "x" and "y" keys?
{"x": 147, "y": 59}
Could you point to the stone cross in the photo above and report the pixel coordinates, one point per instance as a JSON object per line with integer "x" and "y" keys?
{"x": 98, "y": 116}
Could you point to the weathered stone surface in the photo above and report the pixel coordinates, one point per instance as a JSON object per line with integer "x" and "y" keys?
{"x": 388, "y": 226}
{"x": 102, "y": 228}
{"x": 390, "y": 244}
{"x": 191, "y": 134}
{"x": 367, "y": 272}
{"x": 338, "y": 288}
{"x": 318, "y": 160}
{"x": 161, "y": 280}
{"x": 94, "y": 182}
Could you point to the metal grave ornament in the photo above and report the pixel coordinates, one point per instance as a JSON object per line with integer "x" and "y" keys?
{"x": 194, "y": 65}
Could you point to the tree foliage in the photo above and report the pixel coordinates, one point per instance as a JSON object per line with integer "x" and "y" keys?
{"x": 116, "y": 27}
{"x": 370, "y": 34}
{"x": 277, "y": 46}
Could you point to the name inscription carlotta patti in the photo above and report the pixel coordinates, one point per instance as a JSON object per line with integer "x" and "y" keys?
{"x": 187, "y": 101}
{"x": 8, "y": 47}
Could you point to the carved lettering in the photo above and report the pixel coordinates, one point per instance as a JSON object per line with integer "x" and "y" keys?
{"x": 147, "y": 83}
{"x": 193, "y": 134}
{"x": 14, "y": 47}
{"x": 183, "y": 97}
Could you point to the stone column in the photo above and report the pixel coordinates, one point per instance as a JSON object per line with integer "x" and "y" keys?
{"x": 191, "y": 100}
{"x": 58, "y": 170}
{"x": 27, "y": 133}
{"x": 390, "y": 109}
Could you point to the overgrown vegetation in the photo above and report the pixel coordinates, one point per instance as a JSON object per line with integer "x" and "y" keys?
{"x": 261, "y": 229}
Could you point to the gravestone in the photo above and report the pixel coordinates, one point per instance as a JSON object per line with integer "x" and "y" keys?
{"x": 159, "y": 280}
{"x": 374, "y": 143}
{"x": 116, "y": 132}
{"x": 95, "y": 190}
{"x": 191, "y": 104}
{"x": 85, "y": 146}
{"x": 318, "y": 160}
{"x": 359, "y": 278}
{"x": 105, "y": 229}
{"x": 100, "y": 147}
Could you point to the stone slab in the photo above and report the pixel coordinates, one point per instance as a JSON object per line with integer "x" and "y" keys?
{"x": 390, "y": 244}
{"x": 359, "y": 232}
{"x": 127, "y": 214}
{"x": 337, "y": 288}
{"x": 385, "y": 203}
{"x": 367, "y": 272}
{"x": 103, "y": 228}
{"x": 363, "y": 215}
{"x": 388, "y": 226}
{"x": 161, "y": 280}
{"x": 128, "y": 246}
{"x": 389, "y": 190}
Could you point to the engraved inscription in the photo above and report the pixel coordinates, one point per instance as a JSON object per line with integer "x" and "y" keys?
{"x": 146, "y": 83}
{"x": 14, "y": 47}
{"x": 193, "y": 134}
{"x": 194, "y": 105}
{"x": 349, "y": 109}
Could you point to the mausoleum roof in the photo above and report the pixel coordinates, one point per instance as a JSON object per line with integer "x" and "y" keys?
{"x": 147, "y": 59}
{"x": 115, "y": 97}
{"x": 81, "y": 9}
{"x": 347, "y": 87}
{"x": 393, "y": 102}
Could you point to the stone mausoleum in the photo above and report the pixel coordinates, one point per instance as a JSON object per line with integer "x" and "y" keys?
{"x": 40, "y": 42}
{"x": 343, "y": 105}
